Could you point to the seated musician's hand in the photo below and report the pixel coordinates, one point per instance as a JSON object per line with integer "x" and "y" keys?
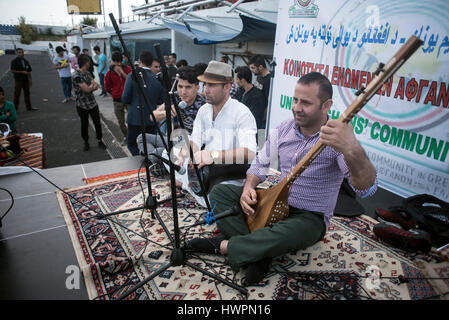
{"x": 183, "y": 154}
{"x": 247, "y": 200}
{"x": 339, "y": 136}
{"x": 203, "y": 158}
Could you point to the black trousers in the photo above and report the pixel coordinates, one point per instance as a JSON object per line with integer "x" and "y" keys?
{"x": 84, "y": 116}
{"x": 18, "y": 86}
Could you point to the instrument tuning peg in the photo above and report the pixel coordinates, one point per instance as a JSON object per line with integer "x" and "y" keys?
{"x": 360, "y": 91}
{"x": 380, "y": 68}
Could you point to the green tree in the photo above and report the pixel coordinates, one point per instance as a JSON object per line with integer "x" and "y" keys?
{"x": 27, "y": 32}
{"x": 89, "y": 21}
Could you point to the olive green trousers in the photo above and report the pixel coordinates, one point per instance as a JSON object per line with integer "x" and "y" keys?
{"x": 301, "y": 229}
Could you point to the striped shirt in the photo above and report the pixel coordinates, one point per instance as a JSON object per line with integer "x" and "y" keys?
{"x": 317, "y": 188}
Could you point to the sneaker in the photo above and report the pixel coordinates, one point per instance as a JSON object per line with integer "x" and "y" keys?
{"x": 396, "y": 215}
{"x": 86, "y": 146}
{"x": 256, "y": 272}
{"x": 203, "y": 245}
{"x": 65, "y": 101}
{"x": 412, "y": 240}
{"x": 101, "y": 144}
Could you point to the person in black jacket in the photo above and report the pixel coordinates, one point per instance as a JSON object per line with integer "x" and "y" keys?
{"x": 252, "y": 97}
{"x": 21, "y": 69}
{"x": 131, "y": 96}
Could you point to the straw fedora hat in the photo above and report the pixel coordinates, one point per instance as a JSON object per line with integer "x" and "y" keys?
{"x": 217, "y": 72}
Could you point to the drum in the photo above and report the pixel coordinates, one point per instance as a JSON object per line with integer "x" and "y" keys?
{"x": 213, "y": 174}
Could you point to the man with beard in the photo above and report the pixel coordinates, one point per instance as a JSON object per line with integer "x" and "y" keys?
{"x": 312, "y": 196}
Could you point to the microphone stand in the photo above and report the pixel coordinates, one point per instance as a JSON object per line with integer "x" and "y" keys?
{"x": 186, "y": 139}
{"x": 151, "y": 202}
{"x": 178, "y": 256}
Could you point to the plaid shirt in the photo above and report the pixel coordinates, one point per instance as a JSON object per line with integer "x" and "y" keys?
{"x": 233, "y": 91}
{"x": 188, "y": 114}
{"x": 83, "y": 100}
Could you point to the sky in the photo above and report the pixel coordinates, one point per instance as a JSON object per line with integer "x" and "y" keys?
{"x": 54, "y": 12}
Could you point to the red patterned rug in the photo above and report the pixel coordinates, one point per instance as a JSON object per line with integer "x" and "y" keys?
{"x": 117, "y": 253}
{"x": 33, "y": 153}
{"x": 113, "y": 175}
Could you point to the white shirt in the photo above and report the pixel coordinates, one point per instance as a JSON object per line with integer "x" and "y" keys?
{"x": 234, "y": 127}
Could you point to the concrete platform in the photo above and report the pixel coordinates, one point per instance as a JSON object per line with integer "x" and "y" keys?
{"x": 35, "y": 246}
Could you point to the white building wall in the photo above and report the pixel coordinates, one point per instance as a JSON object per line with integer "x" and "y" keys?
{"x": 185, "y": 48}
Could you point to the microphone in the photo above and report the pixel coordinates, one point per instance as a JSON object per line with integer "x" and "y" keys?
{"x": 179, "y": 169}
{"x": 233, "y": 211}
{"x": 182, "y": 105}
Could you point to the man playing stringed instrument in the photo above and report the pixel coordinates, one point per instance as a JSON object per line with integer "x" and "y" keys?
{"x": 313, "y": 195}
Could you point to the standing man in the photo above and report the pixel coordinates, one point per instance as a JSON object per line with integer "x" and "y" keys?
{"x": 259, "y": 68}
{"x": 171, "y": 68}
{"x": 62, "y": 63}
{"x": 131, "y": 96}
{"x": 102, "y": 68}
{"x": 74, "y": 60}
{"x": 252, "y": 97}
{"x": 86, "y": 105}
{"x": 21, "y": 69}
{"x": 224, "y": 130}
{"x": 114, "y": 83}
{"x": 312, "y": 196}
{"x": 155, "y": 67}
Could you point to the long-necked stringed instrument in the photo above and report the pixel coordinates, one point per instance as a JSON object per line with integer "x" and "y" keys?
{"x": 272, "y": 205}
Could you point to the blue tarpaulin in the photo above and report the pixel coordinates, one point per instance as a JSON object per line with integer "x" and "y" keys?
{"x": 253, "y": 29}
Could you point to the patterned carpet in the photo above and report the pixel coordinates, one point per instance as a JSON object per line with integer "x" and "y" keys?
{"x": 349, "y": 263}
{"x": 33, "y": 155}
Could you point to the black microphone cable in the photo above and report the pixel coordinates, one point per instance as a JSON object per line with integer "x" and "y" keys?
{"x": 10, "y": 207}
{"x": 99, "y": 214}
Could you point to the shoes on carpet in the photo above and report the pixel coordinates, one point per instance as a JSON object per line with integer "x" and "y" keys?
{"x": 411, "y": 240}
{"x": 256, "y": 271}
{"x": 101, "y": 144}
{"x": 86, "y": 146}
{"x": 205, "y": 245}
{"x": 396, "y": 215}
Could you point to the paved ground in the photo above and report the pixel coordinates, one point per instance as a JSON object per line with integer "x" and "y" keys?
{"x": 59, "y": 122}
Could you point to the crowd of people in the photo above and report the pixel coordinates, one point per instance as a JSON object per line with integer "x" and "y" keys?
{"x": 221, "y": 110}
{"x": 113, "y": 77}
